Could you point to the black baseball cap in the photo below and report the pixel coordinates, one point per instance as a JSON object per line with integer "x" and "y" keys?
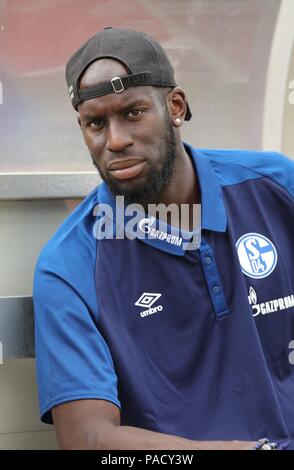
{"x": 144, "y": 58}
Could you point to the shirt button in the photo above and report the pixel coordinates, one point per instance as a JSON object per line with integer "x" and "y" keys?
{"x": 216, "y": 289}
{"x": 208, "y": 260}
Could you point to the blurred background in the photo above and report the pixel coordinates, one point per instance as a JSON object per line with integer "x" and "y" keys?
{"x": 234, "y": 59}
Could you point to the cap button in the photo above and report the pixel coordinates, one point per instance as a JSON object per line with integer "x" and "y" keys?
{"x": 108, "y": 27}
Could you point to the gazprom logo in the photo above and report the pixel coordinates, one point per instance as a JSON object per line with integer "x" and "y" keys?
{"x": 257, "y": 255}
{"x": 252, "y": 296}
{"x": 145, "y": 224}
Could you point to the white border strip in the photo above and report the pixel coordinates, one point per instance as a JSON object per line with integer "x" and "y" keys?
{"x": 49, "y": 185}
{"x": 277, "y": 78}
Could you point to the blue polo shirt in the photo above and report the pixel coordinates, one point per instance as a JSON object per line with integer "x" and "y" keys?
{"x": 196, "y": 343}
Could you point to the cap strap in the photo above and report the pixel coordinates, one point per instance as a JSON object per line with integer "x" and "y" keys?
{"x": 117, "y": 85}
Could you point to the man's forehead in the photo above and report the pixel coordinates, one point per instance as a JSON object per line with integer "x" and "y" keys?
{"x": 102, "y": 70}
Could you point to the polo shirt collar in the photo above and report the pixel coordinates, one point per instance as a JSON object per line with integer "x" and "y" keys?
{"x": 150, "y": 230}
{"x": 213, "y": 212}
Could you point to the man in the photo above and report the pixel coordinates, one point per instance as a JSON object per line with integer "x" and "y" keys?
{"x": 146, "y": 342}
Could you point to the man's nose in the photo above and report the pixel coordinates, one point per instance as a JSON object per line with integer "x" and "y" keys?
{"x": 118, "y": 138}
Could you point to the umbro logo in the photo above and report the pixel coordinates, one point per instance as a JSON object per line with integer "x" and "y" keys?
{"x": 147, "y": 300}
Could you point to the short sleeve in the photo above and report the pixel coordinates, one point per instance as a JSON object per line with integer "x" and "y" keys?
{"x": 73, "y": 360}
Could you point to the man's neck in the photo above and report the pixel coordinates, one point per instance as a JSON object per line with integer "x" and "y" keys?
{"x": 182, "y": 190}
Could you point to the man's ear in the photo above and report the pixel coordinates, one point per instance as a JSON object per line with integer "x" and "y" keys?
{"x": 79, "y": 120}
{"x": 177, "y": 105}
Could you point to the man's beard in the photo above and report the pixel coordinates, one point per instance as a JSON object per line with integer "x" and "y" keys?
{"x": 158, "y": 179}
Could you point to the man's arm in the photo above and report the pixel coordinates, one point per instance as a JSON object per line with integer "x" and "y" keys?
{"x": 95, "y": 425}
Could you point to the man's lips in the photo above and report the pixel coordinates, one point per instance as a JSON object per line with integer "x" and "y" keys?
{"x": 126, "y": 169}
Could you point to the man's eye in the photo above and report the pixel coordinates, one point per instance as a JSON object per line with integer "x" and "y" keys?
{"x": 96, "y": 123}
{"x": 135, "y": 113}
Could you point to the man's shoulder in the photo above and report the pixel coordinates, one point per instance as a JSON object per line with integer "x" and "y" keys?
{"x": 75, "y": 234}
{"x": 258, "y": 161}
{"x": 234, "y": 166}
